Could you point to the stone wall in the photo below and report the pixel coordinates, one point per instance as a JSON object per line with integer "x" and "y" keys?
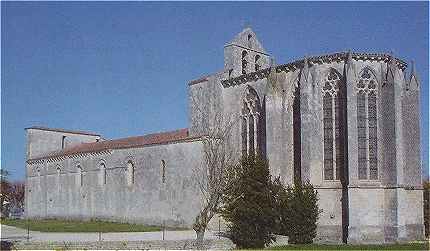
{"x": 42, "y": 142}
{"x": 58, "y": 194}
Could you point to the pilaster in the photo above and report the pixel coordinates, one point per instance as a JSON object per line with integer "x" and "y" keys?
{"x": 307, "y": 123}
{"x": 350, "y": 73}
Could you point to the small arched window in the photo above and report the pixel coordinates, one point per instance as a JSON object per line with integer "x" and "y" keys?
{"x": 130, "y": 173}
{"x": 103, "y": 174}
{"x": 244, "y": 61}
{"x": 58, "y": 177}
{"x": 163, "y": 171}
{"x": 80, "y": 176}
{"x": 257, "y": 63}
{"x": 367, "y": 125}
{"x": 63, "y": 142}
{"x": 39, "y": 182}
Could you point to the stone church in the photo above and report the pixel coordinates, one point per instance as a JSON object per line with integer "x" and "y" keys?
{"x": 348, "y": 122}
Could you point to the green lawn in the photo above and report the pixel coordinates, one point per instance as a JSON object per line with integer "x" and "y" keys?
{"x": 81, "y": 226}
{"x": 407, "y": 246}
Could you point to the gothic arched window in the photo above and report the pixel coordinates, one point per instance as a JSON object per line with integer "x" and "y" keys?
{"x": 130, "y": 173}
{"x": 333, "y": 126}
{"x": 257, "y": 63}
{"x": 244, "y": 61}
{"x": 251, "y": 117}
{"x": 367, "y": 125}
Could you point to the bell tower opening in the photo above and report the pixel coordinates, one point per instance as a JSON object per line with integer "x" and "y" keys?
{"x": 245, "y": 54}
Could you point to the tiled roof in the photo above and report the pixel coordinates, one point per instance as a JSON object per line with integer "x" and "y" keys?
{"x": 149, "y": 139}
{"x": 62, "y": 130}
{"x": 204, "y": 78}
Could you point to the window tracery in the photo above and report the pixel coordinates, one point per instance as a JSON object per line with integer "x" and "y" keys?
{"x": 251, "y": 114}
{"x": 333, "y": 126}
{"x": 367, "y": 125}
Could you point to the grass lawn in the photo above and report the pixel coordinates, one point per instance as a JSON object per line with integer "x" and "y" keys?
{"x": 81, "y": 226}
{"x": 407, "y": 246}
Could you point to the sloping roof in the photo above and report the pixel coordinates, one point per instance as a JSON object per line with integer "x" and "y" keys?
{"x": 62, "y": 130}
{"x": 242, "y": 39}
{"x": 149, "y": 139}
{"x": 205, "y": 77}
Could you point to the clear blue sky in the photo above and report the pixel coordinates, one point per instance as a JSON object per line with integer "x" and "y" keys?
{"x": 121, "y": 69}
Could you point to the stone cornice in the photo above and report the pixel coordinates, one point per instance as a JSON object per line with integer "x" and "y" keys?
{"x": 298, "y": 64}
{"x": 56, "y": 158}
{"x": 61, "y": 157}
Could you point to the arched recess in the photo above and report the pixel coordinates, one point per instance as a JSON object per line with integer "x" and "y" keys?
{"x": 367, "y": 129}
{"x": 80, "y": 175}
{"x": 39, "y": 178}
{"x": 58, "y": 169}
{"x": 130, "y": 172}
{"x": 334, "y": 108}
{"x": 252, "y": 123}
{"x": 102, "y": 173}
{"x": 163, "y": 171}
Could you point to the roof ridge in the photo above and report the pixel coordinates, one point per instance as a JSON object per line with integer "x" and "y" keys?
{"x": 128, "y": 142}
{"x": 62, "y": 130}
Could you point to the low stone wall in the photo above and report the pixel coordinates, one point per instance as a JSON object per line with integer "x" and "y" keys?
{"x": 222, "y": 244}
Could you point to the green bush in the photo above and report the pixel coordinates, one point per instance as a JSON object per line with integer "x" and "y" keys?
{"x": 248, "y": 205}
{"x": 298, "y": 212}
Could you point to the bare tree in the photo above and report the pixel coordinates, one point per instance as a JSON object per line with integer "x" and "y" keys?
{"x": 211, "y": 176}
{"x": 17, "y": 190}
{"x": 4, "y": 192}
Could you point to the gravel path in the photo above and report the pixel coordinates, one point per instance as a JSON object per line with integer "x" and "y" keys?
{"x": 123, "y": 240}
{"x": 17, "y": 234}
